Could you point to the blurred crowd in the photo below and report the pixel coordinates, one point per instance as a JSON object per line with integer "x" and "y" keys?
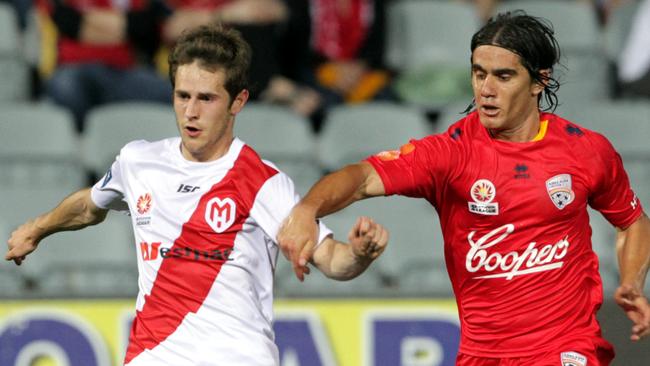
{"x": 309, "y": 55}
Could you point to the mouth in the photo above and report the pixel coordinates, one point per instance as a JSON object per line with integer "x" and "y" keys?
{"x": 192, "y": 131}
{"x": 489, "y": 110}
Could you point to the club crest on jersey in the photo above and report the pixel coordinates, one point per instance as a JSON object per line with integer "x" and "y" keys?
{"x": 559, "y": 189}
{"x": 220, "y": 214}
{"x": 483, "y": 193}
{"x": 573, "y": 359}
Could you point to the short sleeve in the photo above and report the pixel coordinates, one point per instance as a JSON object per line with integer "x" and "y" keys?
{"x": 613, "y": 196}
{"x": 108, "y": 192}
{"x": 273, "y": 204}
{"x": 418, "y": 169}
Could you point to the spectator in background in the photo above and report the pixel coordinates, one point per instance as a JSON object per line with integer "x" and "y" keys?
{"x": 337, "y": 47}
{"x": 262, "y": 23}
{"x": 104, "y": 53}
{"x": 634, "y": 61}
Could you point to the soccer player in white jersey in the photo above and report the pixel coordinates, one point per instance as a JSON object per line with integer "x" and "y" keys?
{"x": 205, "y": 210}
{"x": 511, "y": 185}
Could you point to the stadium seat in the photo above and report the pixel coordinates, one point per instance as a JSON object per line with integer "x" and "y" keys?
{"x": 97, "y": 261}
{"x": 39, "y": 147}
{"x": 575, "y": 22}
{"x": 431, "y": 53}
{"x": 12, "y": 284}
{"x": 65, "y": 264}
{"x": 282, "y": 137}
{"x": 583, "y": 69}
{"x": 423, "y": 40}
{"x": 352, "y": 133}
{"x": 91, "y": 262}
{"x": 14, "y": 70}
{"x": 112, "y": 126}
{"x": 450, "y": 114}
{"x": 618, "y": 27}
{"x": 413, "y": 263}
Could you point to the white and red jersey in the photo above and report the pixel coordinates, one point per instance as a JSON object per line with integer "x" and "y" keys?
{"x": 205, "y": 235}
{"x": 516, "y": 228}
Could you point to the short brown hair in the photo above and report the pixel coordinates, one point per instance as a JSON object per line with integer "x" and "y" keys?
{"x": 215, "y": 47}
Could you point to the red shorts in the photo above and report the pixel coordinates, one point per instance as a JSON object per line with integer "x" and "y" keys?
{"x": 579, "y": 354}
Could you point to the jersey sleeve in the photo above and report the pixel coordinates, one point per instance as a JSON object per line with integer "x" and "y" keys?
{"x": 418, "y": 169}
{"x": 273, "y": 204}
{"x": 613, "y": 196}
{"x": 108, "y": 192}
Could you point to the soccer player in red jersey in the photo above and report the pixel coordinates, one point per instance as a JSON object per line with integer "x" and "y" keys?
{"x": 511, "y": 185}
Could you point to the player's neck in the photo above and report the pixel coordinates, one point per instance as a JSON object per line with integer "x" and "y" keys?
{"x": 523, "y": 131}
{"x": 215, "y": 152}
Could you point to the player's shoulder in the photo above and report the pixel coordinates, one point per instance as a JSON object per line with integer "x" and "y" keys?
{"x": 457, "y": 134}
{"x": 143, "y": 148}
{"x": 257, "y": 169}
{"x": 578, "y": 135}
{"x": 466, "y": 126}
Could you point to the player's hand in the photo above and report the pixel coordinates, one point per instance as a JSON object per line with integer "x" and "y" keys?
{"x": 636, "y": 308}
{"x": 23, "y": 241}
{"x": 367, "y": 238}
{"x": 297, "y": 238}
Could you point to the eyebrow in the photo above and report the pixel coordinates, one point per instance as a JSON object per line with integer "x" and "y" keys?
{"x": 477, "y": 67}
{"x": 199, "y": 95}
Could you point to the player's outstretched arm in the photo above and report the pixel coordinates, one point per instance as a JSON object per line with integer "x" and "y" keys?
{"x": 73, "y": 213}
{"x": 340, "y": 261}
{"x": 633, "y": 249}
{"x": 298, "y": 235}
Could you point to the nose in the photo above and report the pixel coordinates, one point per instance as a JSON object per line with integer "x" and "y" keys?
{"x": 487, "y": 87}
{"x": 191, "y": 109}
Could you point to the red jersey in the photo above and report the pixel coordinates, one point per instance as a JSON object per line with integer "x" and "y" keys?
{"x": 516, "y": 228}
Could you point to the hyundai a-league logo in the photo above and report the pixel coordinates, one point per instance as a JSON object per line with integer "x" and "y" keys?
{"x": 483, "y": 193}
{"x": 559, "y": 189}
{"x": 144, "y": 203}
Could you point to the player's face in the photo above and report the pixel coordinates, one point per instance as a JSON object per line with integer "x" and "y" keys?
{"x": 505, "y": 94}
{"x": 204, "y": 112}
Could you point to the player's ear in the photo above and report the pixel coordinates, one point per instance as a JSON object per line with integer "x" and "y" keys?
{"x": 239, "y": 102}
{"x": 538, "y": 86}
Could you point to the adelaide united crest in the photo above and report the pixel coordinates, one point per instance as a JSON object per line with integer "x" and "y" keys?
{"x": 559, "y": 189}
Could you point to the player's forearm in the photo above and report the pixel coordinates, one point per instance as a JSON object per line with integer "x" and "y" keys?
{"x": 337, "y": 190}
{"x": 342, "y": 264}
{"x": 633, "y": 247}
{"x": 73, "y": 213}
